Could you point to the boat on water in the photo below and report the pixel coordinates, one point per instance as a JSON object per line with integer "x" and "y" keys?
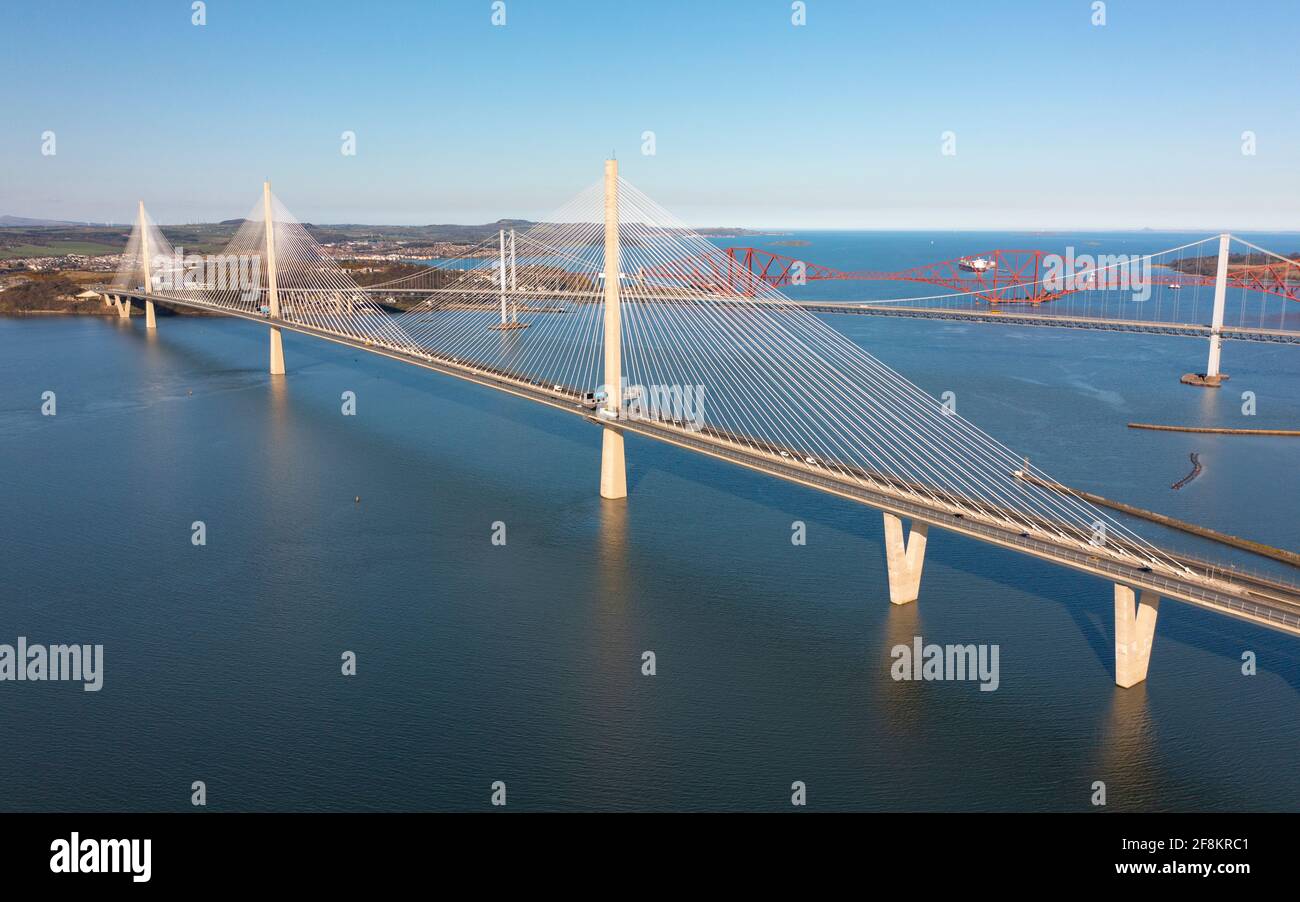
{"x": 977, "y": 264}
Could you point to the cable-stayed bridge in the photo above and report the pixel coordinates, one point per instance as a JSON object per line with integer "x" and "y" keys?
{"x": 588, "y": 314}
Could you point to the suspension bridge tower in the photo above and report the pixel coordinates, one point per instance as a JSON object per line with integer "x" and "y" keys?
{"x": 613, "y": 466}
{"x": 150, "y": 321}
{"x": 1213, "y": 377}
{"x": 272, "y": 290}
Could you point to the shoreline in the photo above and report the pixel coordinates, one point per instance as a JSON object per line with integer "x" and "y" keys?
{"x": 1259, "y": 548}
{"x": 1214, "y": 430}
{"x": 108, "y": 312}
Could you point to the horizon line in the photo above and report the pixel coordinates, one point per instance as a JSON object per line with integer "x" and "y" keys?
{"x": 1209, "y": 230}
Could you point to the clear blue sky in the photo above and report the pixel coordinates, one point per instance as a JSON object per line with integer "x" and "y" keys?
{"x": 1059, "y": 123}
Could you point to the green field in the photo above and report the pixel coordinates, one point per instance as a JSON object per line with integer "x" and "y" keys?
{"x": 213, "y": 237}
{"x": 56, "y": 248}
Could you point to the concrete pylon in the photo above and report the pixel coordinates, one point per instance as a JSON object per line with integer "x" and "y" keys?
{"x": 150, "y": 322}
{"x": 509, "y": 301}
{"x": 1220, "y": 296}
{"x": 1135, "y": 630}
{"x": 904, "y": 558}
{"x": 272, "y": 290}
{"x": 123, "y": 307}
{"x": 613, "y": 465}
{"x": 514, "y": 282}
{"x": 501, "y": 263}
{"x": 1213, "y": 377}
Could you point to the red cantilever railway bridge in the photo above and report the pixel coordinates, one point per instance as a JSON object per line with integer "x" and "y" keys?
{"x": 997, "y": 276}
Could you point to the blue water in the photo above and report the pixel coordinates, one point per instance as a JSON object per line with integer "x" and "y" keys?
{"x": 522, "y": 663}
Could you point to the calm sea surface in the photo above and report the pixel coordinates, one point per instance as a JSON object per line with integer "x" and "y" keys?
{"x": 522, "y": 663}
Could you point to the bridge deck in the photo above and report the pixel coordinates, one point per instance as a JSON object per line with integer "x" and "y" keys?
{"x": 1272, "y": 604}
{"x": 1022, "y": 317}
{"x": 1060, "y": 321}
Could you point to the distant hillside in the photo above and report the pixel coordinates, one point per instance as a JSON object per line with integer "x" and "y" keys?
{"x": 48, "y": 294}
{"x": 459, "y": 234}
{"x": 1209, "y": 265}
{"x": 15, "y": 222}
{"x": 20, "y": 238}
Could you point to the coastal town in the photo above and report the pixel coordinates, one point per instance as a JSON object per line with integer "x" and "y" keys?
{"x": 53, "y": 282}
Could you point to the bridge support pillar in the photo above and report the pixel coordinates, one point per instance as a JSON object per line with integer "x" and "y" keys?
{"x": 1135, "y": 629}
{"x": 272, "y": 288}
{"x": 147, "y": 265}
{"x": 277, "y": 352}
{"x": 904, "y": 558}
{"x": 613, "y": 466}
{"x": 502, "y": 274}
{"x": 1220, "y": 296}
{"x": 514, "y": 282}
{"x": 1213, "y": 377}
{"x": 124, "y": 307}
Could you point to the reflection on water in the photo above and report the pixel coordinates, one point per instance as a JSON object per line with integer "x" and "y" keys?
{"x": 523, "y": 663}
{"x": 614, "y": 649}
{"x": 904, "y": 699}
{"x": 612, "y": 549}
{"x": 1130, "y": 731}
{"x": 1128, "y": 754}
{"x": 1210, "y": 405}
{"x": 277, "y": 388}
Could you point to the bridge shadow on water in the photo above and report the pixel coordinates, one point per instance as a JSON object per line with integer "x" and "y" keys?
{"x": 164, "y": 347}
{"x": 1085, "y": 599}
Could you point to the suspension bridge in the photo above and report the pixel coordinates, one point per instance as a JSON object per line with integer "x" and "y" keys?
{"x": 1195, "y": 290}
{"x": 997, "y": 276}
{"x": 593, "y": 313}
{"x": 1097, "y": 292}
